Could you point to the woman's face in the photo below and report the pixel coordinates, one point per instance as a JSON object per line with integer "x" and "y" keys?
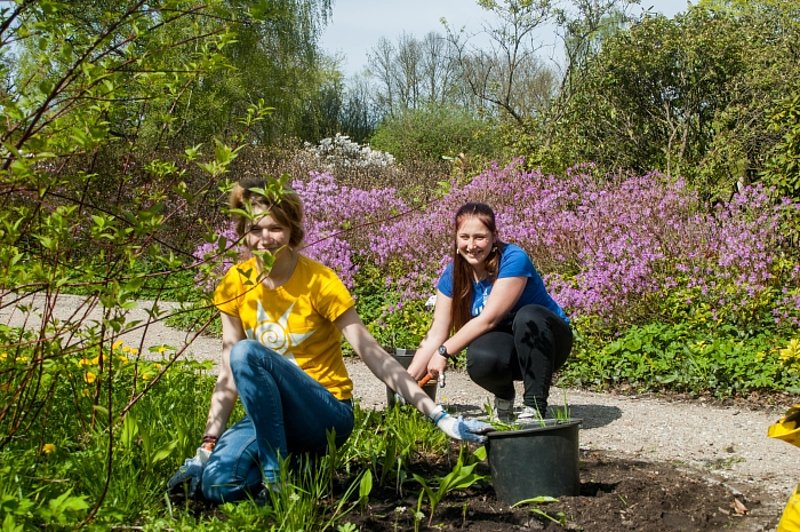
{"x": 474, "y": 241}
{"x": 265, "y": 233}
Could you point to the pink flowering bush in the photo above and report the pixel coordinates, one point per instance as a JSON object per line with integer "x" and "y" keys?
{"x": 613, "y": 252}
{"x": 338, "y": 223}
{"x": 621, "y": 252}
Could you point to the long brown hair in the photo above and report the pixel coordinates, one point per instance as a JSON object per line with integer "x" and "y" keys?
{"x": 461, "y": 311}
{"x": 286, "y": 209}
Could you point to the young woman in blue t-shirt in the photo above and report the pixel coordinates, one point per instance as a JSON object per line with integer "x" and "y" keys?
{"x": 492, "y": 301}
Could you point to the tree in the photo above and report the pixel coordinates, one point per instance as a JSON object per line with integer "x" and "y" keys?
{"x": 413, "y": 74}
{"x": 509, "y": 76}
{"x": 691, "y": 95}
{"x": 434, "y": 132}
{"x": 109, "y": 169}
{"x": 511, "y": 79}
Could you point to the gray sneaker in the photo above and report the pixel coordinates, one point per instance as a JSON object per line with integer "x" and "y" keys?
{"x": 503, "y": 410}
{"x": 529, "y": 413}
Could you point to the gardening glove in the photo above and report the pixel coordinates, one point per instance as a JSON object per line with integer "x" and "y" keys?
{"x": 192, "y": 472}
{"x": 459, "y": 428}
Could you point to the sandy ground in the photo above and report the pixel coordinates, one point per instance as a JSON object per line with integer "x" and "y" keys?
{"x": 730, "y": 444}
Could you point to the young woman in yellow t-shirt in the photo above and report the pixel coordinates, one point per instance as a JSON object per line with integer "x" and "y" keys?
{"x": 281, "y": 355}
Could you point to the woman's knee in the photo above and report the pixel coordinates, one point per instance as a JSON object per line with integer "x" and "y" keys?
{"x": 536, "y": 314}
{"x": 248, "y": 353}
{"x": 489, "y": 356}
{"x": 243, "y": 350}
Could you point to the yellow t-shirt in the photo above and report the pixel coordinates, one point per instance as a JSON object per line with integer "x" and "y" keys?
{"x": 295, "y": 319}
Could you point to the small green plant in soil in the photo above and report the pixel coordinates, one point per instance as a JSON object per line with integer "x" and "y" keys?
{"x": 461, "y": 477}
{"x": 559, "y": 518}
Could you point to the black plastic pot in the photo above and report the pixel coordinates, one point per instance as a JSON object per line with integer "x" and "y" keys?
{"x": 404, "y": 356}
{"x": 535, "y": 460}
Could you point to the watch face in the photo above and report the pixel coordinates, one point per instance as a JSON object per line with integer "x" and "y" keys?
{"x": 442, "y": 350}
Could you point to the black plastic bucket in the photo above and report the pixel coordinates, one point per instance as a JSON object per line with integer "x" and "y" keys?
{"x": 405, "y": 356}
{"x": 535, "y": 460}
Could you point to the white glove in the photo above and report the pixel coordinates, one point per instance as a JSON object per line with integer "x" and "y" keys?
{"x": 459, "y": 428}
{"x": 190, "y": 472}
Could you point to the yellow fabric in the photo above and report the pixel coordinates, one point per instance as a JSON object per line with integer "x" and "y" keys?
{"x": 790, "y": 520}
{"x": 295, "y": 319}
{"x": 788, "y": 429}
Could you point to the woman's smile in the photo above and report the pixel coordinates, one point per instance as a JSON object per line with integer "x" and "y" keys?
{"x": 474, "y": 241}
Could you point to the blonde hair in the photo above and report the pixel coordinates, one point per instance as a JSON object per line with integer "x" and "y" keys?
{"x": 287, "y": 209}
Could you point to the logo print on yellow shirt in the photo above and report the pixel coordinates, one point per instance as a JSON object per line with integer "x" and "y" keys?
{"x": 273, "y": 334}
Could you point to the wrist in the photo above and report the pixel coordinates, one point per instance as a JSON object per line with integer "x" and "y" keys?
{"x": 209, "y": 442}
{"x": 437, "y": 414}
{"x": 442, "y": 351}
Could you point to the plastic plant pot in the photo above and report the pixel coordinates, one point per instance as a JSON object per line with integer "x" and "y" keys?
{"x": 540, "y": 459}
{"x": 404, "y": 356}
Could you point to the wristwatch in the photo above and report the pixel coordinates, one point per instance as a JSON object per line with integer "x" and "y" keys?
{"x": 443, "y": 352}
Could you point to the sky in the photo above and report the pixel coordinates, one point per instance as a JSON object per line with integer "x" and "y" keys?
{"x": 357, "y": 25}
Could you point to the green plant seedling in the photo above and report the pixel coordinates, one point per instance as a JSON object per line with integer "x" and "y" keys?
{"x": 461, "y": 477}
{"x": 559, "y": 518}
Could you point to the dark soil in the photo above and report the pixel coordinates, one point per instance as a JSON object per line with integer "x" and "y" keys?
{"x": 615, "y": 494}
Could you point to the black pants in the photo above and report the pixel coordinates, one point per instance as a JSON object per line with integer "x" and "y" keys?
{"x": 528, "y": 348}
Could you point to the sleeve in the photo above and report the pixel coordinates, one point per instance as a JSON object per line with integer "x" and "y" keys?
{"x": 334, "y": 299}
{"x": 229, "y": 293}
{"x": 516, "y": 263}
{"x": 445, "y": 284}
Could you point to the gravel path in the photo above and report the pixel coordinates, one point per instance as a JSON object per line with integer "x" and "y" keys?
{"x": 728, "y": 443}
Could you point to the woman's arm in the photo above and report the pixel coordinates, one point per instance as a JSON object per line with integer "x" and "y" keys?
{"x": 436, "y": 335}
{"x": 504, "y": 295}
{"x": 225, "y": 394}
{"x": 383, "y": 366}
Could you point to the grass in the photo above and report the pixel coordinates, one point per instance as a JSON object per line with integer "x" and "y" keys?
{"x": 89, "y": 457}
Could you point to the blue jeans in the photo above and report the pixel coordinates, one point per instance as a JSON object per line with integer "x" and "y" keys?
{"x": 287, "y": 412}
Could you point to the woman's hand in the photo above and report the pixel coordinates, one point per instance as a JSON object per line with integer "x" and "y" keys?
{"x": 437, "y": 365}
{"x": 458, "y": 428}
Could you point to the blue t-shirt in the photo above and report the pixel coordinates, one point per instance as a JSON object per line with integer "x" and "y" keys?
{"x": 513, "y": 263}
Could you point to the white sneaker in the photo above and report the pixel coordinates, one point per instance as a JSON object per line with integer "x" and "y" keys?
{"x": 529, "y": 413}
{"x": 503, "y": 409}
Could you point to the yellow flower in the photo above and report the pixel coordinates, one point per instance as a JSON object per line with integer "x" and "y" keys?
{"x": 162, "y": 349}
{"x": 791, "y": 351}
{"x": 157, "y": 365}
{"x": 48, "y": 448}
{"x": 85, "y": 392}
{"x": 117, "y": 344}
{"x": 95, "y": 360}
{"x": 130, "y": 350}
{"x": 146, "y": 376}
{"x": 123, "y": 360}
{"x": 22, "y": 359}
{"x": 89, "y": 377}
{"x": 3, "y": 356}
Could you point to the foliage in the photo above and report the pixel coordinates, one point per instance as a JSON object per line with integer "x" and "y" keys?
{"x": 782, "y": 169}
{"x": 690, "y": 96}
{"x": 90, "y": 436}
{"x": 651, "y": 93}
{"x": 401, "y": 324}
{"x": 431, "y": 133}
{"x": 621, "y": 250}
{"x": 54, "y": 477}
{"x": 658, "y": 356}
{"x": 461, "y": 477}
